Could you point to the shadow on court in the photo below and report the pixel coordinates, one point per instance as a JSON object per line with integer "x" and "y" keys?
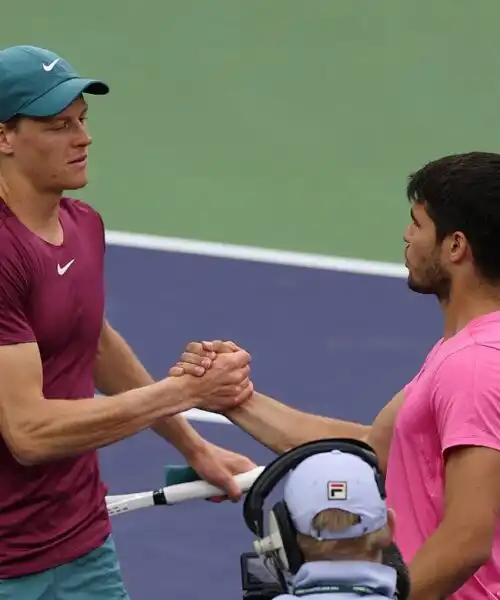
{"x": 332, "y": 343}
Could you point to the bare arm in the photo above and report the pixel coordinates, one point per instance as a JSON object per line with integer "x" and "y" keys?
{"x": 381, "y": 431}
{"x": 37, "y": 429}
{"x": 464, "y": 539}
{"x": 118, "y": 370}
{"x": 467, "y": 419}
{"x": 280, "y": 427}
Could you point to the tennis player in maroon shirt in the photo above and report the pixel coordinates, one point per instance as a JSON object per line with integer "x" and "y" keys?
{"x": 56, "y": 348}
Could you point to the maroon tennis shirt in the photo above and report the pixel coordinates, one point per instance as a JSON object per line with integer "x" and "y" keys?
{"x": 55, "y": 512}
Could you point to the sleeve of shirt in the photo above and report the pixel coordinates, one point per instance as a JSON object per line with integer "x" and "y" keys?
{"x": 466, "y": 398}
{"x": 91, "y": 219}
{"x": 14, "y": 289}
{"x": 102, "y": 232}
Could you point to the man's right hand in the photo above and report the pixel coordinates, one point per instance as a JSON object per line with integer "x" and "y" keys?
{"x": 225, "y": 384}
{"x": 198, "y": 357}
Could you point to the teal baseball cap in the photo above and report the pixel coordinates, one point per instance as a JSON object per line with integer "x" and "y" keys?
{"x": 35, "y": 82}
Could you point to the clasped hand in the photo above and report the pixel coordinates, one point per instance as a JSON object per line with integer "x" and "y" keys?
{"x": 220, "y": 372}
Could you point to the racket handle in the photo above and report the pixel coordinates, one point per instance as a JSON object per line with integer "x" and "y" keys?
{"x": 175, "y": 474}
{"x": 202, "y": 489}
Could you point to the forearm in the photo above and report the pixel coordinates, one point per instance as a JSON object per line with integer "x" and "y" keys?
{"x": 54, "y": 428}
{"x": 444, "y": 563}
{"x": 118, "y": 370}
{"x": 280, "y": 427}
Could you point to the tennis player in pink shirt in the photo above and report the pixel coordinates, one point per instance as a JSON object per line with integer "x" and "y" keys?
{"x": 438, "y": 439}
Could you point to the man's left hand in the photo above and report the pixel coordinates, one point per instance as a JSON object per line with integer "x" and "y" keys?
{"x": 217, "y": 466}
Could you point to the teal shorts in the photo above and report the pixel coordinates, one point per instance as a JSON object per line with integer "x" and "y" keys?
{"x": 95, "y": 576}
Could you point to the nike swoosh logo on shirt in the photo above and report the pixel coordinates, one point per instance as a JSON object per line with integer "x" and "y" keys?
{"x": 62, "y": 270}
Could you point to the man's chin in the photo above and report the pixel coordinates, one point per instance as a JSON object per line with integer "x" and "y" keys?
{"x": 418, "y": 287}
{"x": 76, "y": 183}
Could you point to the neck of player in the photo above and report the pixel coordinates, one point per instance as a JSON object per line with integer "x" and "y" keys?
{"x": 468, "y": 301}
{"x": 38, "y": 210}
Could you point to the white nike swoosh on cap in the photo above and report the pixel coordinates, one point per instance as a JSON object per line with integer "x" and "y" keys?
{"x": 50, "y": 66}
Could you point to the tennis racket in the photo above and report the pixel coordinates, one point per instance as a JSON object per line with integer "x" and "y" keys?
{"x": 174, "y": 494}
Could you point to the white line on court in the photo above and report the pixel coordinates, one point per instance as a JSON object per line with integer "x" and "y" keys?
{"x": 255, "y": 254}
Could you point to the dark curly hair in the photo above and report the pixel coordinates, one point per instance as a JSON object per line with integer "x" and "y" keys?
{"x": 461, "y": 192}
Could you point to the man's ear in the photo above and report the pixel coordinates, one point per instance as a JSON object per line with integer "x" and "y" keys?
{"x": 391, "y": 522}
{"x": 6, "y": 136}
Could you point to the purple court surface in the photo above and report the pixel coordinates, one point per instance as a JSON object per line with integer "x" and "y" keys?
{"x": 334, "y": 343}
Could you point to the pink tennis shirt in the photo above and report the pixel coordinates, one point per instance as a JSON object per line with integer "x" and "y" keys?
{"x": 454, "y": 400}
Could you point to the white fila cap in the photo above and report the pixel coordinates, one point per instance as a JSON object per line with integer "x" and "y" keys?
{"x": 334, "y": 480}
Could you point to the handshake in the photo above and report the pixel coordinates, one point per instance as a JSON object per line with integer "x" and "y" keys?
{"x": 216, "y": 373}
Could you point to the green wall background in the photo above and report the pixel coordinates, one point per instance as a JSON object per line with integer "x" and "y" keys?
{"x": 287, "y": 123}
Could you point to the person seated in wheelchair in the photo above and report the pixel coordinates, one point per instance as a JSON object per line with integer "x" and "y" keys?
{"x": 332, "y": 532}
